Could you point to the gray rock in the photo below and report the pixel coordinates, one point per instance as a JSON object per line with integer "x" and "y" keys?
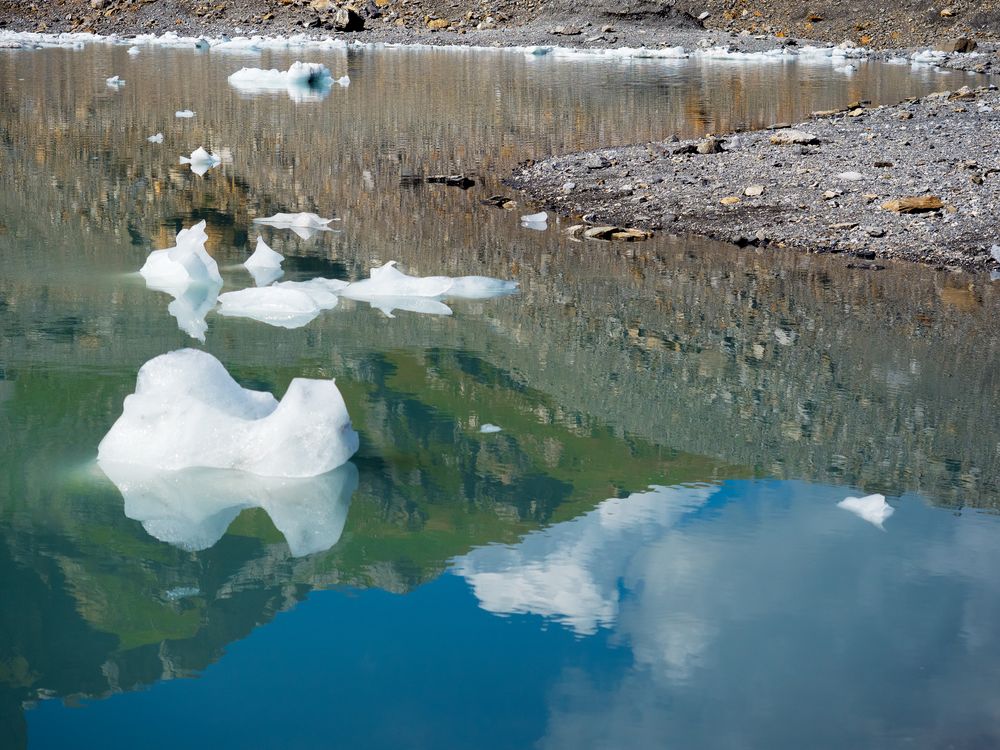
{"x": 596, "y": 161}
{"x": 346, "y": 19}
{"x": 793, "y": 137}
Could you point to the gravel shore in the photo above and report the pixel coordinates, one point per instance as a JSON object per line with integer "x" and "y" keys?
{"x": 919, "y": 181}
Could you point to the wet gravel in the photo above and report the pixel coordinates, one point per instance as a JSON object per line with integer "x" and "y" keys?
{"x": 823, "y": 196}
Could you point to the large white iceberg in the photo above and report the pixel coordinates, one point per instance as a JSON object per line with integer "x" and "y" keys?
{"x": 302, "y": 81}
{"x": 190, "y": 275}
{"x": 187, "y": 411}
{"x": 201, "y": 160}
{"x": 192, "y": 508}
{"x": 265, "y": 264}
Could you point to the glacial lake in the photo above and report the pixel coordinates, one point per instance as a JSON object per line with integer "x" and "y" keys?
{"x": 650, "y": 552}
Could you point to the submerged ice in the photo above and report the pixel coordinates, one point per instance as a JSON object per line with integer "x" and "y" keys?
{"x": 187, "y": 411}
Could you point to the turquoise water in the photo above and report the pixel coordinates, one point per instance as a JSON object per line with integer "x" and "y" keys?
{"x": 650, "y": 551}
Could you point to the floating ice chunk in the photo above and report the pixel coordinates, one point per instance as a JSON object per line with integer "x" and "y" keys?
{"x": 173, "y": 269}
{"x": 489, "y": 428}
{"x": 115, "y": 82}
{"x": 850, "y": 176}
{"x": 134, "y": 50}
{"x": 184, "y": 113}
{"x": 190, "y": 275}
{"x": 302, "y": 81}
{"x": 158, "y": 138}
{"x": 422, "y": 305}
{"x": 389, "y": 281}
{"x": 537, "y": 221}
{"x": 873, "y": 508}
{"x": 323, "y": 292}
{"x": 201, "y": 161}
{"x": 265, "y": 264}
{"x": 344, "y": 81}
{"x": 304, "y": 224}
{"x": 274, "y": 305}
{"x": 193, "y": 508}
{"x": 187, "y": 411}
{"x": 480, "y": 287}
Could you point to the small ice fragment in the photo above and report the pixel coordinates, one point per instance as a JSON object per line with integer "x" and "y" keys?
{"x": 180, "y": 592}
{"x": 274, "y": 305}
{"x": 158, "y": 138}
{"x": 537, "y": 221}
{"x": 388, "y": 281}
{"x": 264, "y": 259}
{"x": 323, "y": 292}
{"x": 850, "y": 176}
{"x": 304, "y": 224}
{"x": 184, "y": 113}
{"x": 187, "y": 411}
{"x": 995, "y": 252}
{"x": 489, "y": 428}
{"x": 344, "y": 81}
{"x": 201, "y": 161}
{"x": 133, "y": 50}
{"x": 872, "y": 508}
{"x": 115, "y": 82}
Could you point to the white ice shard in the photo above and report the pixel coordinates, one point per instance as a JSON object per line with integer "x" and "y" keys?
{"x": 192, "y": 508}
{"x": 274, "y": 305}
{"x": 265, "y": 264}
{"x": 184, "y": 113}
{"x": 304, "y": 224}
{"x": 201, "y": 160}
{"x": 190, "y": 275}
{"x": 489, "y": 429}
{"x": 538, "y": 222}
{"x": 873, "y": 508}
{"x": 389, "y": 281}
{"x": 173, "y": 269}
{"x": 187, "y": 411}
{"x": 302, "y": 81}
{"x": 344, "y": 81}
{"x": 134, "y": 50}
{"x": 158, "y": 138}
{"x": 115, "y": 82}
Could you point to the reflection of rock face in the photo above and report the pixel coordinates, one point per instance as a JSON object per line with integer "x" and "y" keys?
{"x": 192, "y": 509}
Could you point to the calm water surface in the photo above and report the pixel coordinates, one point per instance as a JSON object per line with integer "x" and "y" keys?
{"x": 650, "y": 553}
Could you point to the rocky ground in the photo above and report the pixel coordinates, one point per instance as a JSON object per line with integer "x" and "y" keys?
{"x": 919, "y": 181}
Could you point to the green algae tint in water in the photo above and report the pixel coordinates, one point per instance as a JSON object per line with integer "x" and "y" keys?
{"x": 648, "y": 554}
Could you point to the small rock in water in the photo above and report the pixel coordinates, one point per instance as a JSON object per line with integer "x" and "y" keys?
{"x": 452, "y": 180}
{"x": 489, "y": 428}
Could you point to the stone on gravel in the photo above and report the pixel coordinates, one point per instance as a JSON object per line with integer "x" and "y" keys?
{"x": 730, "y": 200}
{"x": 961, "y": 44}
{"x": 709, "y": 146}
{"x": 793, "y": 137}
{"x": 346, "y": 19}
{"x": 914, "y": 204}
{"x": 753, "y": 191}
{"x": 596, "y": 161}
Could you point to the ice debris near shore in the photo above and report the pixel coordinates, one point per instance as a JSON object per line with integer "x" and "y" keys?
{"x": 188, "y": 274}
{"x": 134, "y": 51}
{"x": 872, "y": 508}
{"x": 201, "y": 161}
{"x": 193, "y": 508}
{"x": 187, "y": 411}
{"x": 302, "y": 81}
{"x": 114, "y": 82}
{"x": 265, "y": 264}
{"x": 538, "y": 222}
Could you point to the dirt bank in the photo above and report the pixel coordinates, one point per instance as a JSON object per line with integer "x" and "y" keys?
{"x": 919, "y": 181}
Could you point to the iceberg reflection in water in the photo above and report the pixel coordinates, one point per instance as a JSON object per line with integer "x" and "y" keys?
{"x": 192, "y": 508}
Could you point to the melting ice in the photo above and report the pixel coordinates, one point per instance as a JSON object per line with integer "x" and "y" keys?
{"x": 265, "y": 264}
{"x": 304, "y": 224}
{"x": 187, "y": 411}
{"x": 302, "y": 81}
{"x": 201, "y": 161}
{"x": 873, "y": 508}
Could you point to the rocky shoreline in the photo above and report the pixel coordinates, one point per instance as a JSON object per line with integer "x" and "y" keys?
{"x": 919, "y": 181}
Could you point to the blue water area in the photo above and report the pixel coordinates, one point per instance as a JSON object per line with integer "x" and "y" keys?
{"x": 752, "y": 614}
